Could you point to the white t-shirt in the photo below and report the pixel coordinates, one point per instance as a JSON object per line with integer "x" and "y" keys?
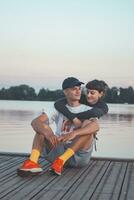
{"x": 59, "y": 118}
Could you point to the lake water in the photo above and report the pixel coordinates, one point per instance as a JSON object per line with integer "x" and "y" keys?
{"x": 116, "y": 135}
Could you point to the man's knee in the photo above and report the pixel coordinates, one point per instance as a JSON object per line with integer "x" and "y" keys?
{"x": 92, "y": 121}
{"x": 88, "y": 121}
{"x": 85, "y": 123}
{"x": 86, "y": 137}
{"x": 82, "y": 158}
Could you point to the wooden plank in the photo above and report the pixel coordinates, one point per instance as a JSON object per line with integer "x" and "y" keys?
{"x": 100, "y": 180}
{"x": 29, "y": 186}
{"x": 88, "y": 189}
{"x": 4, "y": 162}
{"x": 30, "y": 189}
{"x": 113, "y": 159}
{"x": 119, "y": 181}
{"x": 14, "y": 154}
{"x": 130, "y": 194}
{"x": 4, "y": 158}
{"x": 127, "y": 190}
{"x": 15, "y": 183}
{"x": 10, "y": 172}
{"x": 43, "y": 185}
{"x": 9, "y": 163}
{"x": 107, "y": 185}
{"x": 81, "y": 185}
{"x": 56, "y": 189}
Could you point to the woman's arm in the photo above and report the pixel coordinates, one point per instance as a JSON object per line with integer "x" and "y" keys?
{"x": 60, "y": 105}
{"x": 97, "y": 111}
{"x": 94, "y": 112}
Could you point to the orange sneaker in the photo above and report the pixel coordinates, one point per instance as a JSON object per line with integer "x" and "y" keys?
{"x": 29, "y": 168}
{"x": 57, "y": 166}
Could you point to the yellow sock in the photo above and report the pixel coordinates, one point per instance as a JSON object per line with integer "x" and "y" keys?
{"x": 68, "y": 153}
{"x": 35, "y": 154}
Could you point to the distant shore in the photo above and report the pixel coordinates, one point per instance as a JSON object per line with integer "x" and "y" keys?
{"x": 25, "y": 92}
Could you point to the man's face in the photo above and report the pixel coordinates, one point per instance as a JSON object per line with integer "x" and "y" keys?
{"x": 73, "y": 94}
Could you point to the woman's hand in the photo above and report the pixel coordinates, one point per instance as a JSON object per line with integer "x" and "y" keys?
{"x": 66, "y": 126}
{"x": 66, "y": 137}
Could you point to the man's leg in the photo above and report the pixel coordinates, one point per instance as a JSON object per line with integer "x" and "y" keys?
{"x": 31, "y": 166}
{"x": 81, "y": 143}
{"x": 40, "y": 145}
{"x": 37, "y": 147}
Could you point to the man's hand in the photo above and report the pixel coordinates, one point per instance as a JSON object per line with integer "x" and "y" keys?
{"x": 52, "y": 139}
{"x": 66, "y": 137}
{"x": 40, "y": 126}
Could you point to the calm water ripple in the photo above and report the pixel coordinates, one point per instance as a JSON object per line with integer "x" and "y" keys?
{"x": 116, "y": 134}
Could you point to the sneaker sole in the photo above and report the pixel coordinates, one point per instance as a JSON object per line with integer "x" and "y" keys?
{"x": 23, "y": 173}
{"x": 54, "y": 172}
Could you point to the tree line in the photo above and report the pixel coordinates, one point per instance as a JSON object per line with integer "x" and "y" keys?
{"x": 25, "y": 92}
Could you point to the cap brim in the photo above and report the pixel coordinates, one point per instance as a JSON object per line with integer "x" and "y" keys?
{"x": 82, "y": 83}
{"x": 78, "y": 84}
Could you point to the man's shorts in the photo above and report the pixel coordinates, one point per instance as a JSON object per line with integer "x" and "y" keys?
{"x": 80, "y": 159}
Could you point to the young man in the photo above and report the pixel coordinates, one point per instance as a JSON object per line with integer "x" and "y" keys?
{"x": 73, "y": 147}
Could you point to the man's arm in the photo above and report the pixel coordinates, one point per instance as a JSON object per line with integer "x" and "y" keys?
{"x": 89, "y": 128}
{"x": 40, "y": 125}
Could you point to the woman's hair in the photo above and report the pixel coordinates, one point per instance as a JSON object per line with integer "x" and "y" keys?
{"x": 98, "y": 85}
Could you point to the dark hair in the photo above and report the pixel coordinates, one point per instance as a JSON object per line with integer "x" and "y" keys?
{"x": 98, "y": 85}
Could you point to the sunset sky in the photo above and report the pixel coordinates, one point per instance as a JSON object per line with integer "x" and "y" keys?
{"x": 44, "y": 41}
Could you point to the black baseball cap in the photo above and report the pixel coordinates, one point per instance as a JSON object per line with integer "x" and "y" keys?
{"x": 71, "y": 82}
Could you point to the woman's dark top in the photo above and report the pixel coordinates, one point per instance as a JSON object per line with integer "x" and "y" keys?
{"x": 99, "y": 109}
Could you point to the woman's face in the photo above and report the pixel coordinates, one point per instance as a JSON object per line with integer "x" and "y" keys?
{"x": 93, "y": 96}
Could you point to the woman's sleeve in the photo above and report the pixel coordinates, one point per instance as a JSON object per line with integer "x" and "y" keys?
{"x": 97, "y": 111}
{"x": 60, "y": 105}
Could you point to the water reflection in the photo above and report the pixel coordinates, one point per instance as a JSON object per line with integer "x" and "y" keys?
{"x": 119, "y": 117}
{"x": 115, "y": 136}
{"x": 19, "y": 115}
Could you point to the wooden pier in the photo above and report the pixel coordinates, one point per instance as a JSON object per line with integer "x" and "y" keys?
{"x": 102, "y": 179}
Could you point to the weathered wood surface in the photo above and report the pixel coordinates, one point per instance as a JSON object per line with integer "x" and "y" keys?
{"x": 102, "y": 179}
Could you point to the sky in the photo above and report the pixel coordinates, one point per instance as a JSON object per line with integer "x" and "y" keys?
{"x": 44, "y": 41}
